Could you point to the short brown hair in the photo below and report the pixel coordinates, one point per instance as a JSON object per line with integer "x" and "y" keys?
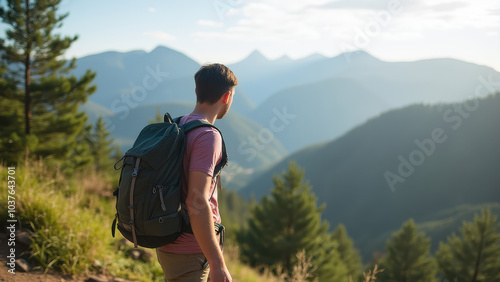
{"x": 212, "y": 81}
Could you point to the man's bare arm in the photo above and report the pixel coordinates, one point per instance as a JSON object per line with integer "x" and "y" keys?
{"x": 201, "y": 217}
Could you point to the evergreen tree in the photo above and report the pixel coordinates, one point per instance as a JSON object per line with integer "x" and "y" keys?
{"x": 287, "y": 222}
{"x": 327, "y": 261}
{"x": 348, "y": 254}
{"x": 475, "y": 256}
{"x": 100, "y": 145}
{"x": 11, "y": 115}
{"x": 408, "y": 256}
{"x": 49, "y": 94}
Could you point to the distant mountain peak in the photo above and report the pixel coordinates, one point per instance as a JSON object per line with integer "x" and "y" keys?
{"x": 160, "y": 49}
{"x": 283, "y": 59}
{"x": 256, "y": 56}
{"x": 359, "y": 55}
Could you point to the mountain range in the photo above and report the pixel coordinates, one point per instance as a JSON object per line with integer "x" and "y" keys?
{"x": 414, "y": 162}
{"x": 327, "y": 95}
{"x": 138, "y": 77}
{"x": 336, "y": 94}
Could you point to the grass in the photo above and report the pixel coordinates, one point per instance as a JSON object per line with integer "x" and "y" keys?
{"x": 244, "y": 273}
{"x": 70, "y": 217}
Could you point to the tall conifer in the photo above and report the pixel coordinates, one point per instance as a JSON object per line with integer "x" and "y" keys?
{"x": 32, "y": 53}
{"x": 408, "y": 256}
{"x": 100, "y": 145}
{"x": 287, "y": 222}
{"x": 475, "y": 255}
{"x": 348, "y": 254}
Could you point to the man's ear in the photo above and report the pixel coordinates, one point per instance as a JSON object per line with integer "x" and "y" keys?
{"x": 225, "y": 97}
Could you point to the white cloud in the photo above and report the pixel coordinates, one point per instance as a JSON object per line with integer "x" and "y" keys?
{"x": 441, "y": 14}
{"x": 322, "y": 25}
{"x": 276, "y": 20}
{"x": 158, "y": 34}
{"x": 455, "y": 15}
{"x": 209, "y": 23}
{"x": 151, "y": 9}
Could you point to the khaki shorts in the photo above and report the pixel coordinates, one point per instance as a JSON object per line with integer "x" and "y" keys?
{"x": 179, "y": 268}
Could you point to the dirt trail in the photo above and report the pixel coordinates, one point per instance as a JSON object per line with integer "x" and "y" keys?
{"x": 33, "y": 275}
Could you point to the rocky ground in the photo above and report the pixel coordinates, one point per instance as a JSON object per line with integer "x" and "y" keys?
{"x": 27, "y": 273}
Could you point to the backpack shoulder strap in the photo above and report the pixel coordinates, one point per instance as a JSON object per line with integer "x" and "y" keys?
{"x": 199, "y": 123}
{"x": 188, "y": 126}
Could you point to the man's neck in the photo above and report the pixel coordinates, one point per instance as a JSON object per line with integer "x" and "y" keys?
{"x": 208, "y": 111}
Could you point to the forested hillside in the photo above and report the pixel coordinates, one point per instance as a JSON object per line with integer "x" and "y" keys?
{"x": 416, "y": 162}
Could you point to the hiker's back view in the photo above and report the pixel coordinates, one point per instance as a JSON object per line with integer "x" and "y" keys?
{"x": 196, "y": 256}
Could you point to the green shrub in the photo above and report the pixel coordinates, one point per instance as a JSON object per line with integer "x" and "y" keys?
{"x": 70, "y": 216}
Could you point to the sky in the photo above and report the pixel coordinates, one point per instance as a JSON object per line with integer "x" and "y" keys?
{"x": 227, "y": 31}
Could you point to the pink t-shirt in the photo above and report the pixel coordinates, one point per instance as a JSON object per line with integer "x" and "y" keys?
{"x": 203, "y": 153}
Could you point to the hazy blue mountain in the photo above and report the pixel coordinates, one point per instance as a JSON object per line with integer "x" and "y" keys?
{"x": 257, "y": 66}
{"x": 139, "y": 78}
{"x": 318, "y": 111}
{"x": 425, "y": 81}
{"x": 236, "y": 129}
{"x": 326, "y": 96}
{"x": 398, "y": 83}
{"x": 260, "y": 77}
{"x": 436, "y": 157}
{"x": 363, "y": 87}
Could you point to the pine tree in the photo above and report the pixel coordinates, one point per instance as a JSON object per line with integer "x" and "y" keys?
{"x": 475, "y": 255}
{"x": 287, "y": 222}
{"x": 11, "y": 115}
{"x": 49, "y": 94}
{"x": 327, "y": 260}
{"x": 348, "y": 254}
{"x": 408, "y": 256}
{"x": 100, "y": 145}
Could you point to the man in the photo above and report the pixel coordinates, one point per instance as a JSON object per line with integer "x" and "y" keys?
{"x": 198, "y": 256}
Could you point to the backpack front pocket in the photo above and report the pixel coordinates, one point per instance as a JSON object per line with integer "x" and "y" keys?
{"x": 165, "y": 201}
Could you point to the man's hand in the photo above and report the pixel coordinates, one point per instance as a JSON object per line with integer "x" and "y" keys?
{"x": 220, "y": 274}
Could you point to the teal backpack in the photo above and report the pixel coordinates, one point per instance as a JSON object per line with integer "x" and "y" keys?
{"x": 149, "y": 211}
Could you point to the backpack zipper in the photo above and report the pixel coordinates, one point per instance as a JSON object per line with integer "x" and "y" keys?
{"x": 161, "y": 197}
